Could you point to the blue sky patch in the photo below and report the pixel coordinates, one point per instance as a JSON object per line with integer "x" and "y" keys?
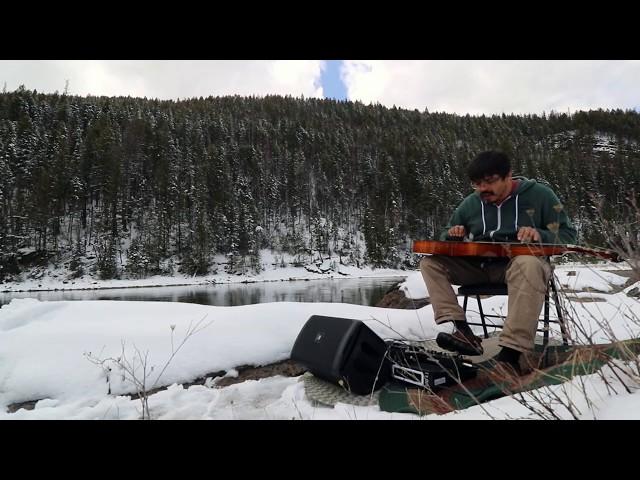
{"x": 332, "y": 85}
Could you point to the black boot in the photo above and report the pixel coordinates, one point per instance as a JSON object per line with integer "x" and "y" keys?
{"x": 509, "y": 358}
{"x": 462, "y": 340}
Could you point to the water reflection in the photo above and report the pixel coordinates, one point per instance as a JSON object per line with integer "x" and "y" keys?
{"x": 359, "y": 291}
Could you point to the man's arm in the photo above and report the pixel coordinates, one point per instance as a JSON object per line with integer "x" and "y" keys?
{"x": 456, "y": 220}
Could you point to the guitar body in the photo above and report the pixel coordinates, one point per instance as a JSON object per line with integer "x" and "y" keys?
{"x": 490, "y": 249}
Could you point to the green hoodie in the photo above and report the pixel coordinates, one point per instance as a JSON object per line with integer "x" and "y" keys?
{"x": 531, "y": 205}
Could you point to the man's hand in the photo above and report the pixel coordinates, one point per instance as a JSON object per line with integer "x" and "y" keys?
{"x": 528, "y": 234}
{"x": 456, "y": 231}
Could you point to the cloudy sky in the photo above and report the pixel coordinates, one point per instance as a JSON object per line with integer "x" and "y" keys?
{"x": 454, "y": 86}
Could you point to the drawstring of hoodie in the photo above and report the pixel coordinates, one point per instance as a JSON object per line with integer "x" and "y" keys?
{"x": 484, "y": 222}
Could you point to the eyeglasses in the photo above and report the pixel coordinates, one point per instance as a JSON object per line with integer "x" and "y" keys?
{"x": 486, "y": 181}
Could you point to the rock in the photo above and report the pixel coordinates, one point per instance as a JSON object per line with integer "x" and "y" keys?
{"x": 29, "y": 405}
{"x": 395, "y": 298}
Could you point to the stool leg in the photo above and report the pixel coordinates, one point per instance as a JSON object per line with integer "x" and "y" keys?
{"x": 563, "y": 327}
{"x": 545, "y": 340}
{"x": 484, "y": 325}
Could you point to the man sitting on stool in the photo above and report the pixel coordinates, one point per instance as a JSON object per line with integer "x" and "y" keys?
{"x": 501, "y": 209}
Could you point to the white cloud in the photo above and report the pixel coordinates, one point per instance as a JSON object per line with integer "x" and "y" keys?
{"x": 487, "y": 86}
{"x": 166, "y": 79}
{"x": 455, "y": 86}
{"x": 294, "y": 74}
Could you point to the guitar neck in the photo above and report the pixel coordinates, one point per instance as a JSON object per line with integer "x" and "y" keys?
{"x": 595, "y": 252}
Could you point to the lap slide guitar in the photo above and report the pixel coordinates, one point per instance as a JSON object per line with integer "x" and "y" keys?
{"x": 493, "y": 249}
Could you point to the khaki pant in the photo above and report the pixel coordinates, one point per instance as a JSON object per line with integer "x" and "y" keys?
{"x": 526, "y": 276}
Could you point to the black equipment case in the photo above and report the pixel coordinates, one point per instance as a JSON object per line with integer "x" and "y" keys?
{"x": 428, "y": 369}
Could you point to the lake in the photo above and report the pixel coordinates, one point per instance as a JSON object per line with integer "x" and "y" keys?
{"x": 358, "y": 291}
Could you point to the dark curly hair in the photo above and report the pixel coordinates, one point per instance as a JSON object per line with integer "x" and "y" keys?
{"x": 489, "y": 163}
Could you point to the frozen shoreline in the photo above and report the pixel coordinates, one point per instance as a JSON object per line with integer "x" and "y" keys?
{"x": 52, "y": 284}
{"x": 57, "y": 279}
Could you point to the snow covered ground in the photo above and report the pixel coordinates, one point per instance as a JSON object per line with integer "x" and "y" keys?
{"x": 46, "y": 350}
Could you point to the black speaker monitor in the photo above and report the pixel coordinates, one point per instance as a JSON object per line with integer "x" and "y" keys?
{"x": 343, "y": 351}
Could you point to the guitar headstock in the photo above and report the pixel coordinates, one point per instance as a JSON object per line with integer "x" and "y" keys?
{"x": 605, "y": 254}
